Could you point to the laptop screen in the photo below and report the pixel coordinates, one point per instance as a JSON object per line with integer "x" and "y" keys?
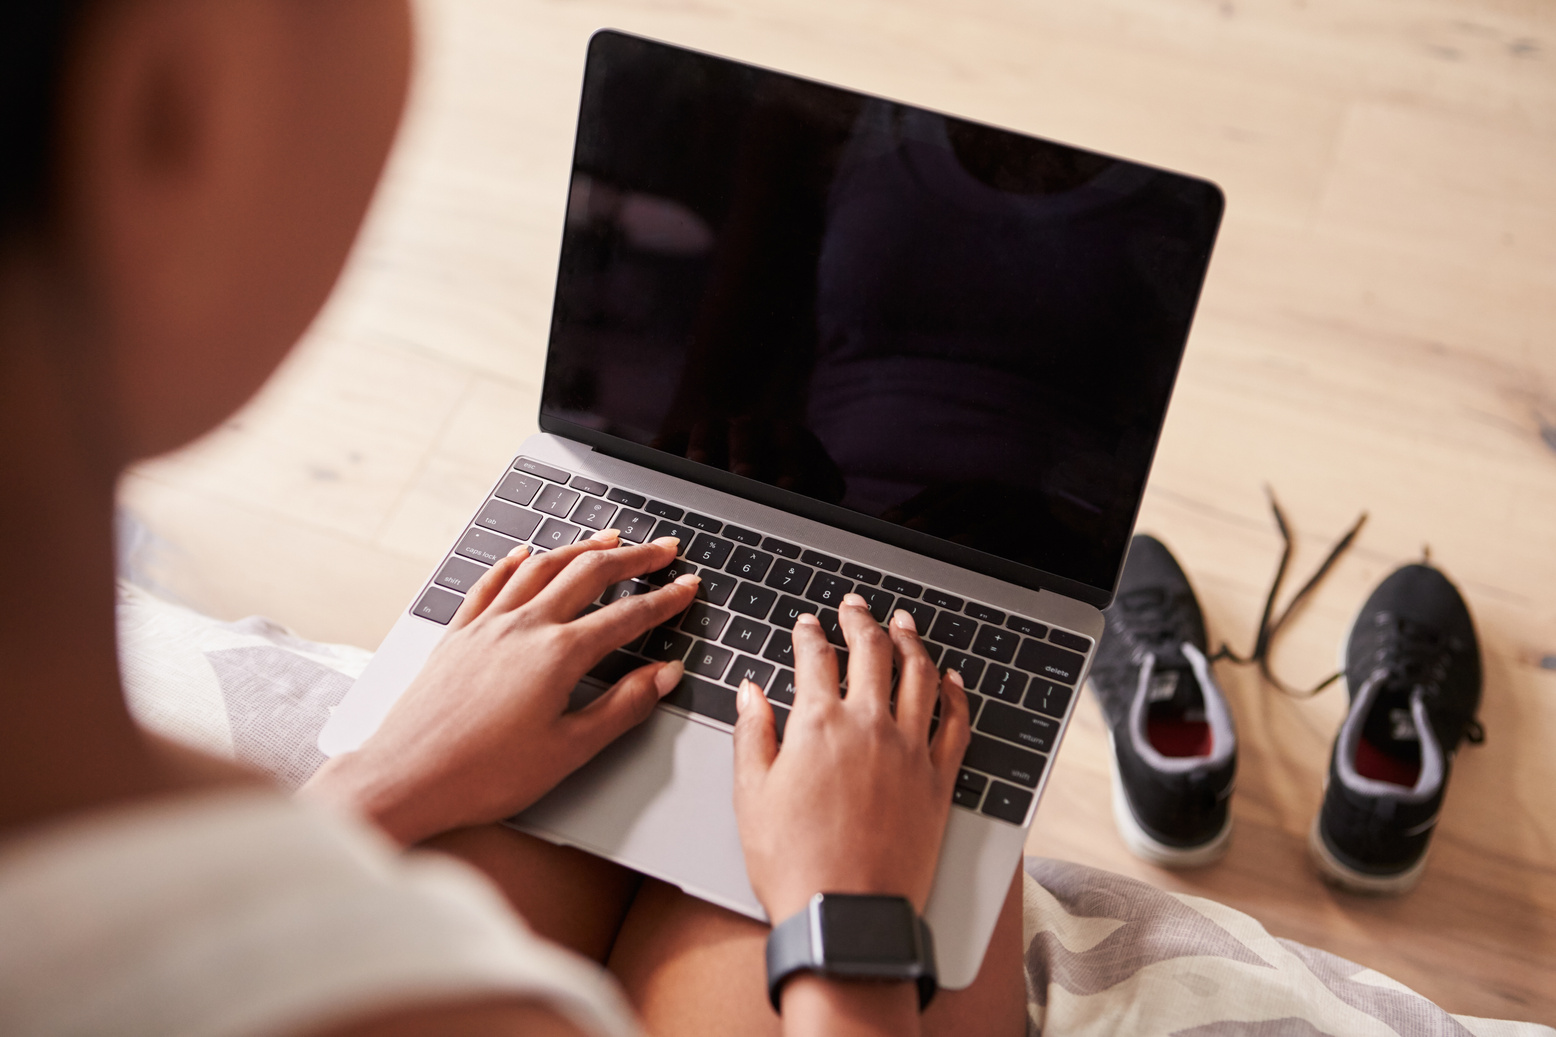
{"x": 954, "y": 338}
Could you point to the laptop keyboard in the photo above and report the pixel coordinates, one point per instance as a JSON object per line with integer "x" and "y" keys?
{"x": 1020, "y": 674}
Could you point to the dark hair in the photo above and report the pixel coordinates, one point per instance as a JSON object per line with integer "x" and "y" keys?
{"x": 34, "y": 35}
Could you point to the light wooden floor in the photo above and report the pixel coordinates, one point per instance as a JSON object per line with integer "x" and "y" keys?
{"x": 1378, "y": 332}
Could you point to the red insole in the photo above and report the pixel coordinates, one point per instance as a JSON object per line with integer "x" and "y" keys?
{"x": 1374, "y": 763}
{"x": 1179, "y": 737}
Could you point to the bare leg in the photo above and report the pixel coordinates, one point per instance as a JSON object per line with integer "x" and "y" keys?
{"x": 568, "y": 896}
{"x": 691, "y": 968}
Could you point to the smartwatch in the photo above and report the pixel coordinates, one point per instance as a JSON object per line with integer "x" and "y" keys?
{"x": 853, "y": 936}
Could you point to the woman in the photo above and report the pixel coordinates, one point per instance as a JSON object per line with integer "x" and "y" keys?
{"x": 182, "y": 182}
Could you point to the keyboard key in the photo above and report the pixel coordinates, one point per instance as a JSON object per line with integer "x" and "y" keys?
{"x": 789, "y": 576}
{"x": 1065, "y": 639}
{"x": 745, "y": 634}
{"x": 997, "y": 644}
{"x": 716, "y": 587}
{"x": 922, "y": 614}
{"x": 832, "y": 628}
{"x": 614, "y": 667}
{"x": 828, "y": 589}
{"x": 485, "y": 546}
{"x": 780, "y": 720}
{"x": 860, "y": 574}
{"x": 705, "y": 699}
{"x": 821, "y": 561}
{"x": 710, "y": 550}
{"x": 1029, "y": 627}
{"x": 520, "y": 489}
{"x": 460, "y": 575}
{"x": 749, "y": 669}
{"x": 545, "y": 471}
{"x": 593, "y": 512}
{"x": 984, "y": 613}
{"x": 748, "y": 537}
{"x": 709, "y": 660}
{"x": 626, "y": 499}
{"x": 1007, "y": 803}
{"x": 781, "y": 547}
{"x": 1047, "y": 697}
{"x": 965, "y": 798}
{"x": 780, "y": 649}
{"x": 966, "y": 779}
{"x": 1017, "y": 725}
{"x": 935, "y": 652}
{"x": 666, "y": 645}
{"x": 437, "y": 605}
{"x": 599, "y": 489}
{"x": 683, "y": 533}
{"x": 554, "y": 534}
{"x": 970, "y": 668}
{"x": 900, "y": 586}
{"x": 703, "y": 522}
{"x": 749, "y": 564}
{"x": 635, "y": 526}
{"x": 751, "y": 600}
{"x": 663, "y": 510}
{"x": 940, "y": 599}
{"x": 879, "y": 601}
{"x": 556, "y": 500}
{"x": 1050, "y": 661}
{"x": 1005, "y": 761}
{"x": 1004, "y": 684}
{"x": 674, "y": 571}
{"x": 974, "y": 704}
{"x": 783, "y": 688}
{"x": 790, "y": 609}
{"x": 954, "y": 630}
{"x": 508, "y": 520}
{"x": 705, "y": 621}
{"x": 624, "y": 589}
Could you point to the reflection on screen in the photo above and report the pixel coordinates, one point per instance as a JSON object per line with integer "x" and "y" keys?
{"x": 949, "y": 327}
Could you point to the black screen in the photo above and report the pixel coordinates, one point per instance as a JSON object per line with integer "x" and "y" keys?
{"x": 963, "y": 337}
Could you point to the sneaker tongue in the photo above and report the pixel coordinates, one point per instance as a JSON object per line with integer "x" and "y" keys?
{"x": 1175, "y": 690}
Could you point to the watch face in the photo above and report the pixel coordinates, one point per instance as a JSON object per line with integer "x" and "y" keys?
{"x": 867, "y": 930}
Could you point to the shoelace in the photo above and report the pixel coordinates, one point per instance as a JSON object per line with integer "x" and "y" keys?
{"x": 1415, "y": 657}
{"x": 1407, "y": 652}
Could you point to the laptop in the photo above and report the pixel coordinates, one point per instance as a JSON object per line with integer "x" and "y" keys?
{"x": 834, "y": 343}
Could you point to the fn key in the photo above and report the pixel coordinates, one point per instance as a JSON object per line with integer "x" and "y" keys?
{"x": 437, "y": 605}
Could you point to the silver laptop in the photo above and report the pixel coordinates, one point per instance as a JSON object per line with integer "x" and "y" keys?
{"x": 834, "y": 343}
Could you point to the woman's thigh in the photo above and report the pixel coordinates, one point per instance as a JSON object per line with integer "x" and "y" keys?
{"x": 566, "y": 895}
{"x": 691, "y": 968}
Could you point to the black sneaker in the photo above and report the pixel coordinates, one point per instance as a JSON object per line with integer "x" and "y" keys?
{"x": 1412, "y": 670}
{"x": 1174, "y": 745}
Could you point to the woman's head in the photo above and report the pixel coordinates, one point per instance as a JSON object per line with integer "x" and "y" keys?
{"x": 182, "y": 183}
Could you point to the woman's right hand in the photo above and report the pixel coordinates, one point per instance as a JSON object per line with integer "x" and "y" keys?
{"x": 857, "y": 798}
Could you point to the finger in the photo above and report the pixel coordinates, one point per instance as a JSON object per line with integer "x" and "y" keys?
{"x": 626, "y": 705}
{"x": 586, "y": 576}
{"x": 950, "y": 743}
{"x": 919, "y": 684}
{"x": 869, "y": 656}
{"x": 622, "y": 621}
{"x": 486, "y": 589}
{"x": 540, "y": 569}
{"x": 756, "y": 740}
{"x": 815, "y": 665}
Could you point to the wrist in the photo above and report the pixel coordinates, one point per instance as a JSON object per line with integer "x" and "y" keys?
{"x": 814, "y": 1003}
{"x": 350, "y": 782}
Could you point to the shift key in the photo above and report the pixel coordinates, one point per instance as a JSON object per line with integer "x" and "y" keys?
{"x": 1005, "y": 761}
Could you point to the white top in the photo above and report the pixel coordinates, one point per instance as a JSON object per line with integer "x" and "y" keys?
{"x": 240, "y": 913}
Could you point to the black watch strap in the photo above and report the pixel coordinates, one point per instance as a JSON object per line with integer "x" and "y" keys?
{"x": 798, "y": 944}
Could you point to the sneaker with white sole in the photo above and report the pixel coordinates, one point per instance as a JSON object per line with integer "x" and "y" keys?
{"x": 1174, "y": 743}
{"x": 1412, "y": 670}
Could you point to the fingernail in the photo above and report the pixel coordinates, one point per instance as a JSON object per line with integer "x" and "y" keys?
{"x": 902, "y": 619}
{"x": 517, "y": 551}
{"x": 956, "y": 678}
{"x": 607, "y": 534}
{"x": 857, "y": 601}
{"x": 808, "y": 619}
{"x": 668, "y": 542}
{"x": 743, "y": 696}
{"x": 688, "y": 580}
{"x": 668, "y": 677}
